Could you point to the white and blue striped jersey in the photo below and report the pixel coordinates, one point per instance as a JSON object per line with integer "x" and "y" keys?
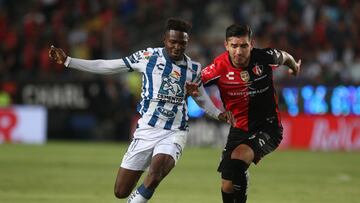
{"x": 163, "y": 94}
{"x": 163, "y": 103}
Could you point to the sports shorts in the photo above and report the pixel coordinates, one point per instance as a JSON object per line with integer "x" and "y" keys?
{"x": 262, "y": 142}
{"x": 149, "y": 141}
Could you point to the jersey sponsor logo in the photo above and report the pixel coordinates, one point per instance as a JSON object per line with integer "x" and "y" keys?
{"x": 170, "y": 99}
{"x": 252, "y": 92}
{"x": 170, "y": 85}
{"x": 232, "y": 83}
{"x": 230, "y": 76}
{"x": 166, "y": 113}
{"x": 170, "y": 89}
{"x": 244, "y": 76}
{"x": 257, "y": 70}
{"x": 160, "y": 66}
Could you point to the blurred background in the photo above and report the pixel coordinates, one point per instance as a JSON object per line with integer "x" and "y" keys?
{"x": 43, "y": 101}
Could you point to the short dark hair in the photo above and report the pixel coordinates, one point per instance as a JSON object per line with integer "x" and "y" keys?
{"x": 178, "y": 25}
{"x": 236, "y": 30}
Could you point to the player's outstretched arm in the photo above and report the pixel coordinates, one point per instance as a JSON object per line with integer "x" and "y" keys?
{"x": 289, "y": 61}
{"x": 99, "y": 66}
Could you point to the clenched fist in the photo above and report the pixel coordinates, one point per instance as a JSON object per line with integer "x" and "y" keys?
{"x": 57, "y": 54}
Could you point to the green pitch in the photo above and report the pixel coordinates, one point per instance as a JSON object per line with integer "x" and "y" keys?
{"x": 85, "y": 172}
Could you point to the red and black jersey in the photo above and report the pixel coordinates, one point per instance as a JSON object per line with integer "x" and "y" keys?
{"x": 248, "y": 92}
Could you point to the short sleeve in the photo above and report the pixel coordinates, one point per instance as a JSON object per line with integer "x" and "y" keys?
{"x": 138, "y": 60}
{"x": 274, "y": 56}
{"x": 210, "y": 73}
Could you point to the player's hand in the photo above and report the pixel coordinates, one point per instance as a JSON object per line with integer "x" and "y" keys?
{"x": 192, "y": 89}
{"x": 227, "y": 117}
{"x": 296, "y": 70}
{"x": 57, "y": 54}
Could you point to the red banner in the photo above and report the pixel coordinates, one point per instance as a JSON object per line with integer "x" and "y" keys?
{"x": 324, "y": 133}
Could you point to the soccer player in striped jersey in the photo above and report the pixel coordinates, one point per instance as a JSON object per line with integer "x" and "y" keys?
{"x": 162, "y": 130}
{"x": 244, "y": 76}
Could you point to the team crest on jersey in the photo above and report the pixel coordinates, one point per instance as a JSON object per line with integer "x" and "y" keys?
{"x": 244, "y": 76}
{"x": 175, "y": 75}
{"x": 257, "y": 70}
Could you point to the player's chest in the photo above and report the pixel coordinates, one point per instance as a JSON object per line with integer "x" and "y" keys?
{"x": 255, "y": 76}
{"x": 173, "y": 73}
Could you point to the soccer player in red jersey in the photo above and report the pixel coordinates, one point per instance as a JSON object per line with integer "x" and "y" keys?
{"x": 244, "y": 76}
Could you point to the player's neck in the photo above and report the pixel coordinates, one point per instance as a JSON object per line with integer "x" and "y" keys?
{"x": 240, "y": 65}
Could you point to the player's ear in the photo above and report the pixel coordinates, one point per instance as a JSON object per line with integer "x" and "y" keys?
{"x": 252, "y": 43}
{"x": 226, "y": 45}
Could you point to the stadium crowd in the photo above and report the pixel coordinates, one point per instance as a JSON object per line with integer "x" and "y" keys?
{"x": 324, "y": 33}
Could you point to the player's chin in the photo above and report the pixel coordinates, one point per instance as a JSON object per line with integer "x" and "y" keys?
{"x": 240, "y": 60}
{"x": 176, "y": 55}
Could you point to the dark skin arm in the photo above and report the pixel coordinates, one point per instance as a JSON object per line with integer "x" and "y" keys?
{"x": 57, "y": 54}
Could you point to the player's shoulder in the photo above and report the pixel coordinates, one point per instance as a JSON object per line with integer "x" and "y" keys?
{"x": 259, "y": 51}
{"x": 223, "y": 57}
{"x": 264, "y": 52}
{"x": 221, "y": 62}
{"x": 152, "y": 51}
{"x": 188, "y": 58}
{"x": 195, "y": 65}
{"x": 142, "y": 55}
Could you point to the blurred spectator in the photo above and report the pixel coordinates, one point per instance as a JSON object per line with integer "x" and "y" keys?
{"x": 324, "y": 33}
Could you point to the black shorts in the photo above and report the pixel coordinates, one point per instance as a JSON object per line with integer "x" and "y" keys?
{"x": 261, "y": 142}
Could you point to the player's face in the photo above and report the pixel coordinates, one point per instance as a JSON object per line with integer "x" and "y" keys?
{"x": 175, "y": 44}
{"x": 239, "y": 49}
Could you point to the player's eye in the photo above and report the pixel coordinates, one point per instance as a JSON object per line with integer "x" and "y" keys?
{"x": 244, "y": 46}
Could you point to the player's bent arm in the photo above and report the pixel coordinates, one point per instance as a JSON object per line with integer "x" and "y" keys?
{"x": 289, "y": 61}
{"x": 99, "y": 66}
{"x": 204, "y": 101}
